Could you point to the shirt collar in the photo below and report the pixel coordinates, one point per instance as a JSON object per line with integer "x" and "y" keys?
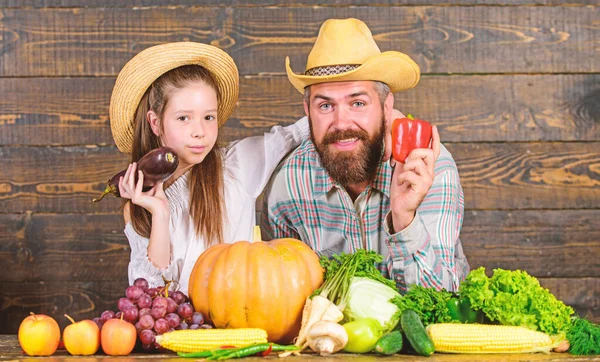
{"x": 383, "y": 178}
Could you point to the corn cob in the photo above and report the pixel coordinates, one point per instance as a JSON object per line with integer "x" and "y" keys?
{"x": 198, "y": 340}
{"x": 482, "y": 338}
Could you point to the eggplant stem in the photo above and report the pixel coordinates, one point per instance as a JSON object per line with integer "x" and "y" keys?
{"x": 108, "y": 190}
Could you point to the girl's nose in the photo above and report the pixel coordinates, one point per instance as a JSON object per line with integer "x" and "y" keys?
{"x": 198, "y": 129}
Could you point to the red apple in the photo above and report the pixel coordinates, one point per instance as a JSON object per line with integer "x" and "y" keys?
{"x": 81, "y": 338}
{"x": 118, "y": 337}
{"x": 39, "y": 335}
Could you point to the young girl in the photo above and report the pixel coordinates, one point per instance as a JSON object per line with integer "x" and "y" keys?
{"x": 178, "y": 95}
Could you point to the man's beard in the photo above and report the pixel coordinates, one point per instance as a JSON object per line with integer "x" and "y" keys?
{"x": 351, "y": 167}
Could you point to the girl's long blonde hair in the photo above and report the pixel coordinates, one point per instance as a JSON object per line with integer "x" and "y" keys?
{"x": 205, "y": 179}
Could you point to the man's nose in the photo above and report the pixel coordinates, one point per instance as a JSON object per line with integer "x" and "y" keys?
{"x": 342, "y": 118}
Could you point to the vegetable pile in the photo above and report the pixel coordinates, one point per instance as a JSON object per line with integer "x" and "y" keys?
{"x": 370, "y": 308}
{"x": 354, "y": 291}
{"x": 356, "y": 286}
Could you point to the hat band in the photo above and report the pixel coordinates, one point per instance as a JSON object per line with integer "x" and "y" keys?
{"x": 331, "y": 70}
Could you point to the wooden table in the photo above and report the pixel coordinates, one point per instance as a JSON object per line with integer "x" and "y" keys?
{"x": 11, "y": 351}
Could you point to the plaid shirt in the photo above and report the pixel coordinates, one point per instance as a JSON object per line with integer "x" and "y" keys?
{"x": 303, "y": 202}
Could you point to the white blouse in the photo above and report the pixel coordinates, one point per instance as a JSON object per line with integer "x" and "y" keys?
{"x": 248, "y": 165}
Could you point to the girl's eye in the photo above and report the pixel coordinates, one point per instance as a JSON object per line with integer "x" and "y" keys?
{"x": 183, "y": 118}
{"x": 210, "y": 118}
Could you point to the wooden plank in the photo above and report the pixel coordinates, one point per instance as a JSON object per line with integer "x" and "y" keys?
{"x": 53, "y": 179}
{"x": 478, "y": 108}
{"x": 88, "y": 299}
{"x": 9, "y": 345}
{"x": 508, "y": 107}
{"x": 12, "y": 232}
{"x": 545, "y": 243}
{"x": 529, "y": 175}
{"x": 92, "y": 247}
{"x": 11, "y": 351}
{"x": 55, "y": 111}
{"x": 279, "y": 3}
{"x": 79, "y": 299}
{"x": 446, "y": 39}
{"x": 494, "y": 176}
{"x": 85, "y": 246}
{"x": 499, "y": 176}
{"x": 582, "y": 294}
{"x": 465, "y": 108}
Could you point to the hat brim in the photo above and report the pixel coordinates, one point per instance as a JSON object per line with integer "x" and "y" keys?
{"x": 395, "y": 69}
{"x": 148, "y": 65}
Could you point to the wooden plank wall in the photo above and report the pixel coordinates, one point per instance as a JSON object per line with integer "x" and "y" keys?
{"x": 514, "y": 87}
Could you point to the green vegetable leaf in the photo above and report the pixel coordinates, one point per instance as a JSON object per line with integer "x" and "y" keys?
{"x": 430, "y": 304}
{"x": 368, "y": 298}
{"x": 516, "y": 298}
{"x": 584, "y": 337}
{"x": 341, "y": 268}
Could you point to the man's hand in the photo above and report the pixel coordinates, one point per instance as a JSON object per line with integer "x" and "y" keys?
{"x": 387, "y": 152}
{"x": 411, "y": 182}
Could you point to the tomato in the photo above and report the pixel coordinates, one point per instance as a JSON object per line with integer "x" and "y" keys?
{"x": 363, "y": 335}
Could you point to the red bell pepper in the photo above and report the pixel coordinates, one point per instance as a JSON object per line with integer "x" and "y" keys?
{"x": 407, "y": 134}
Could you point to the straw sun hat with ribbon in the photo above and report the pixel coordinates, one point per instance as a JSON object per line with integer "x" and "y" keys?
{"x": 148, "y": 65}
{"x": 346, "y": 51}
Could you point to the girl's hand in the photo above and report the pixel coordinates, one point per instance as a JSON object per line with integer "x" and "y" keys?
{"x": 411, "y": 182}
{"x": 153, "y": 200}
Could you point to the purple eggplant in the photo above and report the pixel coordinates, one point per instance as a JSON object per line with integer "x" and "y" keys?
{"x": 156, "y": 165}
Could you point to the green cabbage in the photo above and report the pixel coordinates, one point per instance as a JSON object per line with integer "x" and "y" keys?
{"x": 368, "y": 298}
{"x": 516, "y": 298}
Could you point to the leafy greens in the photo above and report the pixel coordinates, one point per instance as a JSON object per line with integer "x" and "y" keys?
{"x": 584, "y": 337}
{"x": 430, "y": 304}
{"x": 356, "y": 286}
{"x": 516, "y": 298}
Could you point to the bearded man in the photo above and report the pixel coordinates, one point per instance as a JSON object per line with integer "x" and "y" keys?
{"x": 336, "y": 193}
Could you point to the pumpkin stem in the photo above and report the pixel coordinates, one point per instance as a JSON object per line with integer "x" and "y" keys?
{"x": 256, "y": 234}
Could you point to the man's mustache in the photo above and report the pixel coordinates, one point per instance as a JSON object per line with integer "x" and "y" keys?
{"x": 336, "y": 136}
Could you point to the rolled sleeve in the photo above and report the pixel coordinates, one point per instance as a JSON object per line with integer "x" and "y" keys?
{"x": 141, "y": 267}
{"x": 413, "y": 260}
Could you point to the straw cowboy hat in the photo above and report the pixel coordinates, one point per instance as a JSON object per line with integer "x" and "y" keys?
{"x": 148, "y": 65}
{"x": 346, "y": 51}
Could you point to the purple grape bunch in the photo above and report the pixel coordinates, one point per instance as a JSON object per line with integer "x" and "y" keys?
{"x": 154, "y": 311}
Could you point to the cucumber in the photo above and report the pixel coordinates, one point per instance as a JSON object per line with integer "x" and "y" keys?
{"x": 390, "y": 343}
{"x": 415, "y": 333}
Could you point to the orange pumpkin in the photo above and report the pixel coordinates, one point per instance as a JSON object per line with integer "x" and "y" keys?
{"x": 260, "y": 284}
